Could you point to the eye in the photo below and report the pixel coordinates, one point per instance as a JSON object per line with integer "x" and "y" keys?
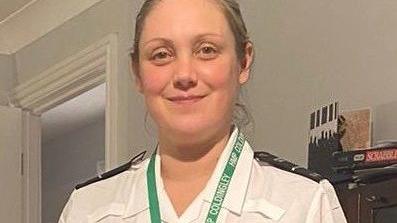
{"x": 207, "y": 51}
{"x": 161, "y": 56}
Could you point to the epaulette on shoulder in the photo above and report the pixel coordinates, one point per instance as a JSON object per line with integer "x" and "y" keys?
{"x": 265, "y": 158}
{"x": 137, "y": 159}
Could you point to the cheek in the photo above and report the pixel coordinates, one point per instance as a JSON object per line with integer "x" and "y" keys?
{"x": 154, "y": 79}
{"x": 222, "y": 76}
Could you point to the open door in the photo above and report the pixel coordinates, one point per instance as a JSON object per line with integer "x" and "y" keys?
{"x": 10, "y": 165}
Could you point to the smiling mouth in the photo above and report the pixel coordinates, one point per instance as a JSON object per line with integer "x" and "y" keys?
{"x": 186, "y": 99}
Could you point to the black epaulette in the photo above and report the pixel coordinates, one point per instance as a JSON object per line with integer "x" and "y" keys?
{"x": 266, "y": 158}
{"x": 137, "y": 159}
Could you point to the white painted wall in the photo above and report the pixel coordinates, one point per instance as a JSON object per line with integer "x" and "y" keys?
{"x": 307, "y": 53}
{"x": 7, "y": 76}
{"x": 67, "y": 161}
{"x": 10, "y": 168}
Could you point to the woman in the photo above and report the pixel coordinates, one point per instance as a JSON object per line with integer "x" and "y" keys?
{"x": 190, "y": 59}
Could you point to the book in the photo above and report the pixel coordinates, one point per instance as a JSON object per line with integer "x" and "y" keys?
{"x": 363, "y": 159}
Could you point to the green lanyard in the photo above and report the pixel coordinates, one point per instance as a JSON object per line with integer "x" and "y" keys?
{"x": 221, "y": 188}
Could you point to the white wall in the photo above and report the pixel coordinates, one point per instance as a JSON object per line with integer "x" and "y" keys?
{"x": 67, "y": 161}
{"x": 7, "y": 76}
{"x": 307, "y": 52}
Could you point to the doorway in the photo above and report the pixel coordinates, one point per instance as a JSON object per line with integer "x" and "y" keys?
{"x": 72, "y": 148}
{"x": 93, "y": 68}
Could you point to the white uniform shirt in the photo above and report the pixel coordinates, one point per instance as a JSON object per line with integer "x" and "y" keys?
{"x": 262, "y": 194}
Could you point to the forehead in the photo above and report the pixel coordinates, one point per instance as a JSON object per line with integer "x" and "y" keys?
{"x": 181, "y": 17}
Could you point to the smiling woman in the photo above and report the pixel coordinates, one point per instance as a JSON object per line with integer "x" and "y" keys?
{"x": 190, "y": 60}
{"x": 189, "y": 72}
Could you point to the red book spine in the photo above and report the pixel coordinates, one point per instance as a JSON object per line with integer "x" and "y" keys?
{"x": 381, "y": 155}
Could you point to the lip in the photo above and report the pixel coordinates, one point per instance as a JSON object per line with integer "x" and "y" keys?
{"x": 185, "y": 99}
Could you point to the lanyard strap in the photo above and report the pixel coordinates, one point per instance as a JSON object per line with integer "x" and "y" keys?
{"x": 221, "y": 188}
{"x": 152, "y": 191}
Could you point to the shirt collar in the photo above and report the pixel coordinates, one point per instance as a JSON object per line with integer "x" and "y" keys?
{"x": 236, "y": 193}
{"x": 238, "y": 186}
{"x": 236, "y": 197}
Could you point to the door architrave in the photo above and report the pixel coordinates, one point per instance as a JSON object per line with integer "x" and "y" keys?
{"x": 94, "y": 65}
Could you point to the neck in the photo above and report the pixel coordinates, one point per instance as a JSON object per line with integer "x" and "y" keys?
{"x": 187, "y": 162}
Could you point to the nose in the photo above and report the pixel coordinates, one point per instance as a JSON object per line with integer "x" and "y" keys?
{"x": 185, "y": 76}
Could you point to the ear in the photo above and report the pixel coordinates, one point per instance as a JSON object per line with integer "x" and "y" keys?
{"x": 134, "y": 65}
{"x": 246, "y": 62}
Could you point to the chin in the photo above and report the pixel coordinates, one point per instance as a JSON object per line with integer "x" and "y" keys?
{"x": 194, "y": 129}
{"x": 190, "y": 127}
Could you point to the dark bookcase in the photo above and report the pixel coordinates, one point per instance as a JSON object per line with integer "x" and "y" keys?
{"x": 370, "y": 203}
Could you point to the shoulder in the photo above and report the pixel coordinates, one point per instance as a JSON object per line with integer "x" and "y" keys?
{"x": 291, "y": 187}
{"x": 273, "y": 175}
{"x": 111, "y": 187}
{"x": 134, "y": 162}
{"x": 115, "y": 178}
{"x": 267, "y": 159}
{"x": 284, "y": 177}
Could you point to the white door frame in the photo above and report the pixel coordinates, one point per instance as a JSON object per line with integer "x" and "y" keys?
{"x": 95, "y": 65}
{"x": 31, "y": 168}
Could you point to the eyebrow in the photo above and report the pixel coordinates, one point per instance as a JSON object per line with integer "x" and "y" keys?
{"x": 170, "y": 42}
{"x": 159, "y": 39}
{"x": 207, "y": 34}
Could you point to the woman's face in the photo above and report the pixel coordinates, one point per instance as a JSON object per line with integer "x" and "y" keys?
{"x": 188, "y": 69}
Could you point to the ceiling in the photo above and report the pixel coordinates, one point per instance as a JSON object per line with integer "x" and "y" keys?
{"x": 40, "y": 16}
{"x": 9, "y": 7}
